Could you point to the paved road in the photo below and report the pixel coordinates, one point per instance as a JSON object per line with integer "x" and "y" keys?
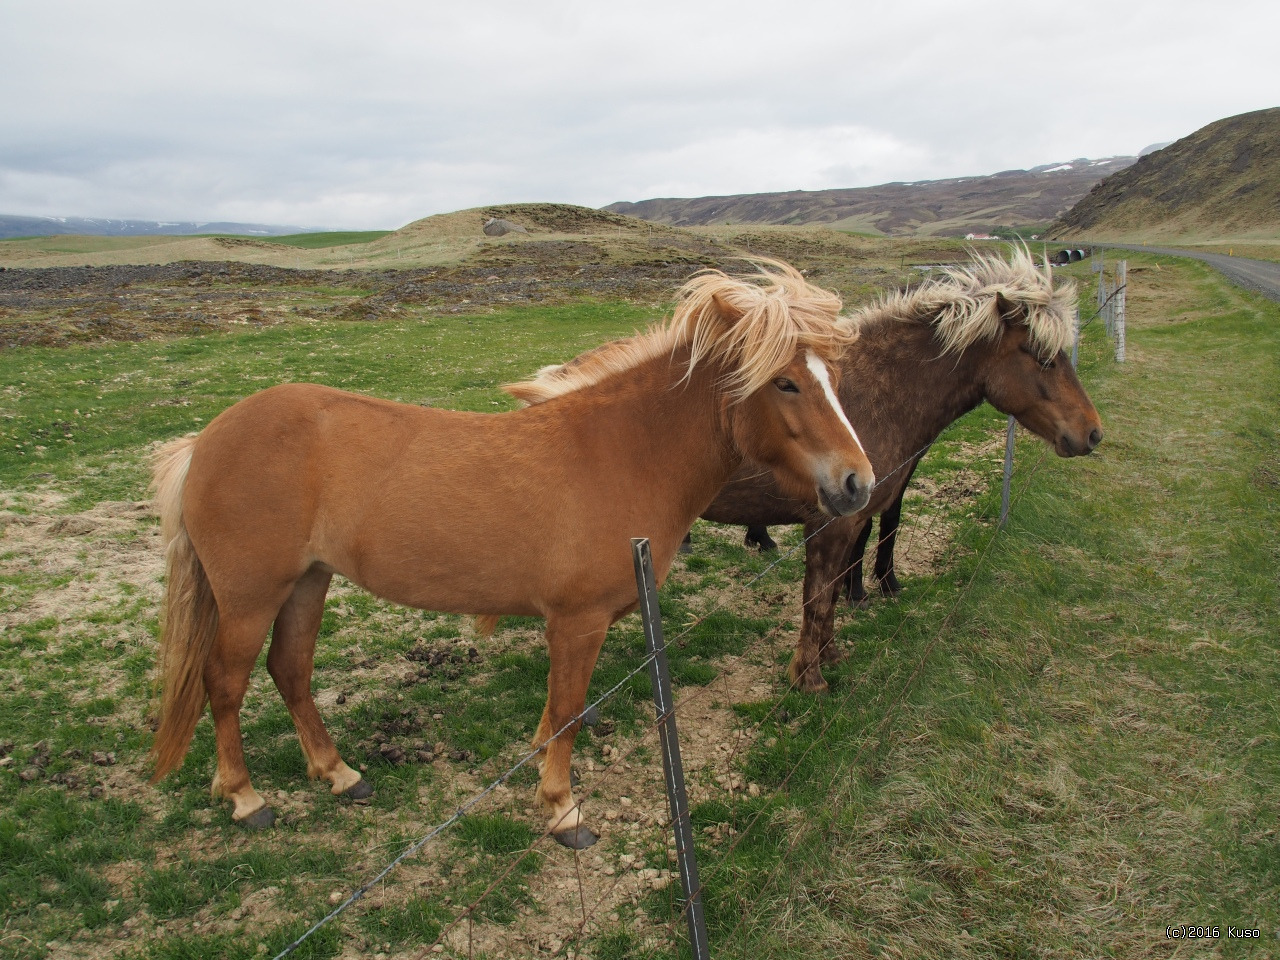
{"x": 1260, "y": 275}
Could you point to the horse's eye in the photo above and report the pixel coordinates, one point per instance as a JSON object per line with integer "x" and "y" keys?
{"x": 1050, "y": 364}
{"x": 785, "y": 385}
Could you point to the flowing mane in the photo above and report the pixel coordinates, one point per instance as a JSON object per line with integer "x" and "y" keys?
{"x": 963, "y": 305}
{"x": 754, "y": 324}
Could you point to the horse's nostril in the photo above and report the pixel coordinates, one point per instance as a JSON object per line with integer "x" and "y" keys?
{"x": 1095, "y": 437}
{"x": 852, "y": 486}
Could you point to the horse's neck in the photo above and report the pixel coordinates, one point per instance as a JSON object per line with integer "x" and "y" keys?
{"x": 666, "y": 427}
{"x": 916, "y": 392}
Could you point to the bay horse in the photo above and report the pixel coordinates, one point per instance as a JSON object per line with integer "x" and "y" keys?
{"x": 528, "y": 512}
{"x": 993, "y": 330}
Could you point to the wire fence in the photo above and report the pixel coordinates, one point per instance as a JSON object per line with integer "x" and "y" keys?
{"x": 596, "y": 907}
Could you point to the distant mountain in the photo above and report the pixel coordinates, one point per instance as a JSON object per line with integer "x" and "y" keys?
{"x": 1222, "y": 182}
{"x": 1013, "y": 198}
{"x": 12, "y": 226}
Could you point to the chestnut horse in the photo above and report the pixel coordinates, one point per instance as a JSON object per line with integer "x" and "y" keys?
{"x": 993, "y": 330}
{"x": 529, "y": 512}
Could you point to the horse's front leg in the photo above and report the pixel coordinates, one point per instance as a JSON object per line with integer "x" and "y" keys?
{"x": 825, "y": 553}
{"x": 889, "y": 523}
{"x": 573, "y": 644}
{"x": 853, "y": 575}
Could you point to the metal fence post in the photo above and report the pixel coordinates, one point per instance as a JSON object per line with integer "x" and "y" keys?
{"x": 1122, "y": 283}
{"x": 671, "y": 764}
{"x": 1075, "y": 340}
{"x": 1008, "y": 471}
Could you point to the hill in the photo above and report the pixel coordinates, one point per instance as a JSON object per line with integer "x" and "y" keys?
{"x": 14, "y": 226}
{"x": 1220, "y": 183}
{"x": 938, "y": 208}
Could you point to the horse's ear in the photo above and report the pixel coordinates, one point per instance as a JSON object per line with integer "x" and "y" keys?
{"x": 726, "y": 309}
{"x": 1007, "y": 308}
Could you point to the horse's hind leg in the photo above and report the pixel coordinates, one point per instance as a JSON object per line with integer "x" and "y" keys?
{"x": 573, "y": 645}
{"x": 226, "y": 678}
{"x": 290, "y": 661}
{"x": 889, "y": 523}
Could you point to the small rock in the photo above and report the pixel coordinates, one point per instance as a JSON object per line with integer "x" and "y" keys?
{"x": 336, "y": 897}
{"x": 342, "y": 698}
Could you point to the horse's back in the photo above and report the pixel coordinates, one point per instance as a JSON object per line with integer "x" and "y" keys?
{"x": 446, "y": 510}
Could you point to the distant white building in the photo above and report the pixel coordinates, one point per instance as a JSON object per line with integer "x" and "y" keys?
{"x": 980, "y": 236}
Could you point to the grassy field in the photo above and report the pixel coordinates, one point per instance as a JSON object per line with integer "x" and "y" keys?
{"x": 333, "y": 238}
{"x": 1060, "y": 741}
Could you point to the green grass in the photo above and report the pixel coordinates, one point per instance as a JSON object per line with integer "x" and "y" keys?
{"x": 333, "y": 238}
{"x": 1061, "y": 743}
{"x": 79, "y": 415}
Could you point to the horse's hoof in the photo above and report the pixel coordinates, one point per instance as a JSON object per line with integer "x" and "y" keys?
{"x": 832, "y": 654}
{"x": 686, "y": 546}
{"x": 818, "y": 686}
{"x": 360, "y": 790}
{"x": 260, "y": 819}
{"x": 579, "y": 838}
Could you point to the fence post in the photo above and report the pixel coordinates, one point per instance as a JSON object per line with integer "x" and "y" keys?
{"x": 1075, "y": 340}
{"x": 672, "y": 766}
{"x": 1008, "y": 471}
{"x": 1122, "y": 284}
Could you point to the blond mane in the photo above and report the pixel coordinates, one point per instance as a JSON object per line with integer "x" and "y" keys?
{"x": 753, "y": 324}
{"x": 964, "y": 304}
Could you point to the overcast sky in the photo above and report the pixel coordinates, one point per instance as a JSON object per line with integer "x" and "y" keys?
{"x": 374, "y": 114}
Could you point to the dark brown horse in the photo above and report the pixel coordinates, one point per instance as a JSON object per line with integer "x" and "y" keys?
{"x": 993, "y": 331}
{"x": 529, "y": 512}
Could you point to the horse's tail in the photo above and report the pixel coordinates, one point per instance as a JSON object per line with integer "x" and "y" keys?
{"x": 189, "y": 617}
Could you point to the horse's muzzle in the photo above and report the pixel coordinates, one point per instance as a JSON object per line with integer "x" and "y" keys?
{"x": 1069, "y": 445}
{"x": 849, "y": 497}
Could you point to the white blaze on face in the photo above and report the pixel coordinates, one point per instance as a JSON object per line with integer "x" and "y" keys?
{"x": 819, "y": 371}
